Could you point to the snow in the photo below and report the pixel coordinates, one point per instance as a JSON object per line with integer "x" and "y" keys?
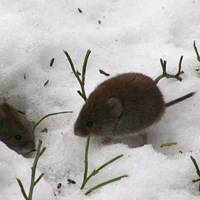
{"x": 132, "y": 36}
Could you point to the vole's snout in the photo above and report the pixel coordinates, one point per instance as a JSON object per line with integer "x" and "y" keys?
{"x": 76, "y": 132}
{"x": 79, "y": 132}
{"x": 26, "y": 148}
{"x": 30, "y": 145}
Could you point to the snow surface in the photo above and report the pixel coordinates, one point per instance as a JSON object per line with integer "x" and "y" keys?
{"x": 132, "y": 36}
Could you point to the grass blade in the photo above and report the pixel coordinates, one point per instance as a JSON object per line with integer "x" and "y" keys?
{"x": 22, "y": 189}
{"x": 105, "y": 183}
{"x": 196, "y": 166}
{"x": 168, "y": 144}
{"x": 86, "y": 163}
{"x": 196, "y": 51}
{"x": 48, "y": 115}
{"x": 101, "y": 167}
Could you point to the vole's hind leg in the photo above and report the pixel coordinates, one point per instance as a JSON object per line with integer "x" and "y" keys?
{"x": 107, "y": 140}
{"x": 144, "y": 139}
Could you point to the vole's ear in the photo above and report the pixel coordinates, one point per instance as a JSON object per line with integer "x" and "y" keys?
{"x": 114, "y": 107}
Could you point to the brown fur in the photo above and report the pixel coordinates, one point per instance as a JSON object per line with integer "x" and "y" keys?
{"x": 125, "y": 104}
{"x": 14, "y": 125}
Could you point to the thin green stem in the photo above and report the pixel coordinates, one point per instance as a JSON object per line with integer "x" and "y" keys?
{"x": 38, "y": 179}
{"x": 83, "y": 74}
{"x": 86, "y": 163}
{"x": 168, "y": 144}
{"x": 179, "y": 66}
{"x": 107, "y": 163}
{"x": 94, "y": 172}
{"x": 196, "y": 180}
{"x": 163, "y": 65}
{"x": 173, "y": 76}
{"x": 71, "y": 63}
{"x": 33, "y": 174}
{"x": 196, "y": 166}
{"x": 76, "y": 73}
{"x": 22, "y": 189}
{"x": 197, "y": 171}
{"x": 105, "y": 183}
{"x": 82, "y": 95}
{"x": 85, "y": 65}
{"x": 33, "y": 169}
{"x": 196, "y": 51}
{"x": 81, "y": 80}
{"x": 158, "y": 78}
{"x": 48, "y": 115}
{"x": 167, "y": 75}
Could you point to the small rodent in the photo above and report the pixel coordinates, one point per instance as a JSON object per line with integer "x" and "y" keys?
{"x": 125, "y": 104}
{"x": 15, "y": 130}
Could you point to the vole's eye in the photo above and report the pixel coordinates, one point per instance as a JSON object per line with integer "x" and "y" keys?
{"x": 89, "y": 124}
{"x": 18, "y": 137}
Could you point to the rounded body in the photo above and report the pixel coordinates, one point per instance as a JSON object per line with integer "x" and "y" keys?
{"x": 15, "y": 130}
{"x": 125, "y": 104}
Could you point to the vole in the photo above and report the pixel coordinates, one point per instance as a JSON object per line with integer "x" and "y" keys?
{"x": 15, "y": 129}
{"x": 125, "y": 104}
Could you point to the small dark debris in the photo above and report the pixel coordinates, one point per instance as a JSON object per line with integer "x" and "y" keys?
{"x": 21, "y": 112}
{"x": 197, "y": 69}
{"x": 46, "y": 83}
{"x": 44, "y": 130}
{"x": 180, "y": 152}
{"x": 78, "y": 73}
{"x": 70, "y": 181}
{"x": 51, "y": 62}
{"x": 103, "y": 72}
{"x": 24, "y": 76}
{"x": 80, "y": 10}
{"x": 59, "y": 185}
{"x": 99, "y": 21}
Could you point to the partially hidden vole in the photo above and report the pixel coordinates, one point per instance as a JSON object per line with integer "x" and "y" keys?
{"x": 15, "y": 129}
{"x": 125, "y": 104}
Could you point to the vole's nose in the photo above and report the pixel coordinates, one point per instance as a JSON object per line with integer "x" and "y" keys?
{"x": 80, "y": 133}
{"x": 30, "y": 145}
{"x": 26, "y": 148}
{"x": 77, "y": 132}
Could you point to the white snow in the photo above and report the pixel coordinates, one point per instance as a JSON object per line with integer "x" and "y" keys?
{"x": 132, "y": 36}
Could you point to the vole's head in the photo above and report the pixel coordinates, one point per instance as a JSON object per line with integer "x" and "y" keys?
{"x": 98, "y": 117}
{"x": 15, "y": 131}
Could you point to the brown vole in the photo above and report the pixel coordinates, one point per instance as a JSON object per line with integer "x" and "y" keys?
{"x": 15, "y": 129}
{"x": 126, "y": 104}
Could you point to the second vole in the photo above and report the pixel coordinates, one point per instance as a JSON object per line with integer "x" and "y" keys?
{"x": 126, "y": 104}
{"x": 15, "y": 130}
